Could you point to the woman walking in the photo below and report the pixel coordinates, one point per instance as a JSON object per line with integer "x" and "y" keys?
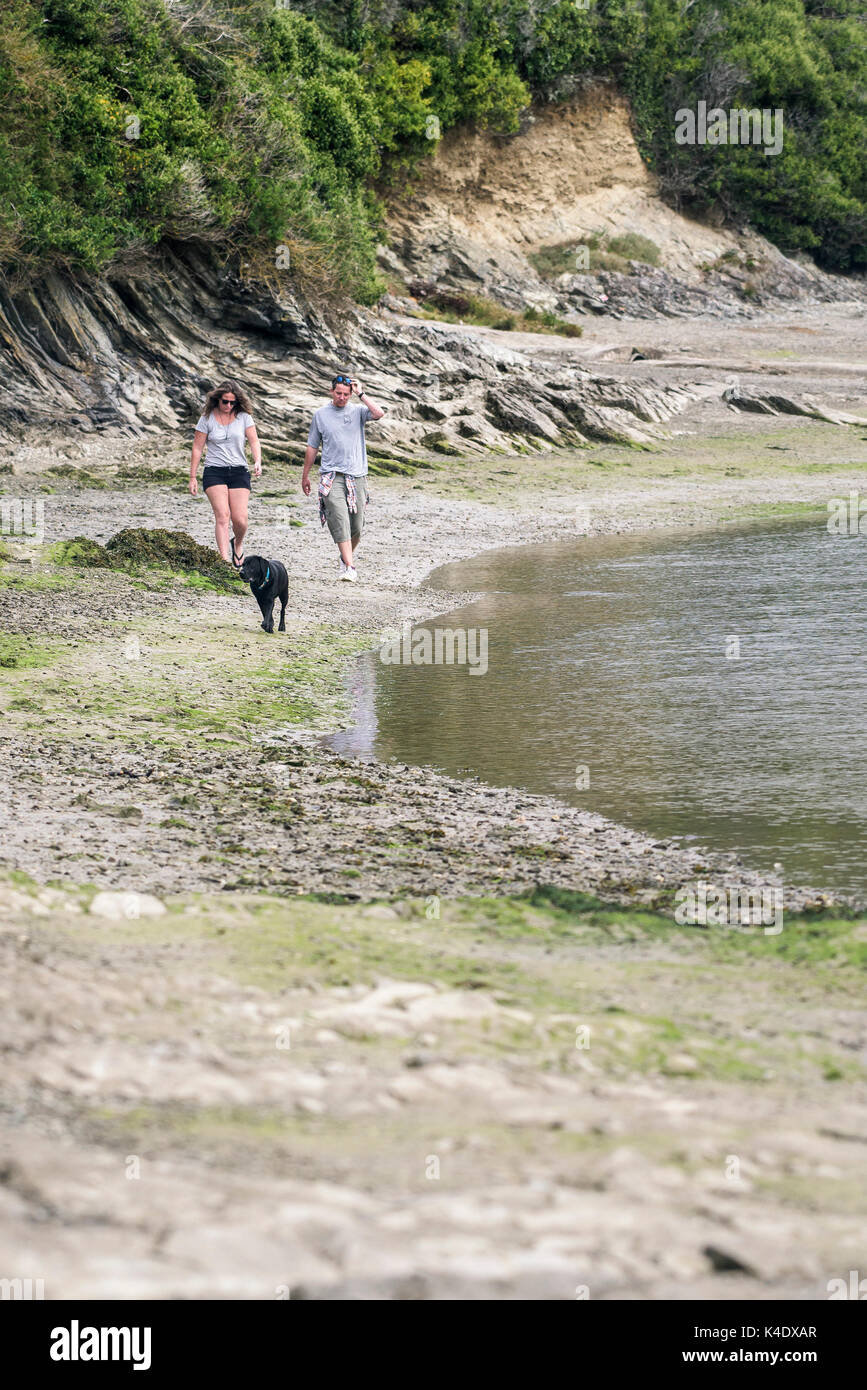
{"x": 225, "y": 426}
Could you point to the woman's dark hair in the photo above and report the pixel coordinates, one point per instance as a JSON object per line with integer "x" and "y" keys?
{"x": 242, "y": 400}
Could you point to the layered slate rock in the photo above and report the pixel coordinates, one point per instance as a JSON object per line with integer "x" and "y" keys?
{"x": 134, "y": 351}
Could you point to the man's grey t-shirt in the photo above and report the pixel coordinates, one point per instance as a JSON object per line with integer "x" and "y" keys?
{"x": 341, "y": 434}
{"x": 225, "y": 442}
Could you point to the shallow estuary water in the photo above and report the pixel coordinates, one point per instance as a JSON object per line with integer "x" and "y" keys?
{"x": 706, "y": 685}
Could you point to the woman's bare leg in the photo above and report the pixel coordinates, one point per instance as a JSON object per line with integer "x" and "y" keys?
{"x": 239, "y": 499}
{"x": 218, "y": 496}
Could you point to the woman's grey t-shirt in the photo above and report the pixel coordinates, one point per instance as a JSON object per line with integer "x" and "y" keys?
{"x": 341, "y": 434}
{"x": 225, "y": 442}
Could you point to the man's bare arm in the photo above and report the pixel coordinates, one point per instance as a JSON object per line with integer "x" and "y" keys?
{"x": 309, "y": 460}
{"x": 376, "y": 411}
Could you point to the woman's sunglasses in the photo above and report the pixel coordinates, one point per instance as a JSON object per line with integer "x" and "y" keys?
{"x": 227, "y": 400}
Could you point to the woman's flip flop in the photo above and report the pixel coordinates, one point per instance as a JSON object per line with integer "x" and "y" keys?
{"x": 235, "y": 561}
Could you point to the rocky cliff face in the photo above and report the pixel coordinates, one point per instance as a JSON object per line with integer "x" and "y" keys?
{"x": 485, "y": 206}
{"x": 135, "y": 351}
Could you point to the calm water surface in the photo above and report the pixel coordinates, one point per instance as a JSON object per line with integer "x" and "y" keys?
{"x": 610, "y": 654}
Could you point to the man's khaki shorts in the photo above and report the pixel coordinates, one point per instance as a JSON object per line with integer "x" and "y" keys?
{"x": 343, "y": 524}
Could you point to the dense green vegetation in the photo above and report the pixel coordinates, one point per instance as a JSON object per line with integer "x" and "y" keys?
{"x": 252, "y": 126}
{"x": 807, "y": 58}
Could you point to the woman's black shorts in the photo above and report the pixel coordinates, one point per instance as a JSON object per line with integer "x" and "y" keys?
{"x": 226, "y": 477}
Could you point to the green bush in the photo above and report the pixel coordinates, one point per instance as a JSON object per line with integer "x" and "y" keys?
{"x": 633, "y": 247}
{"x": 256, "y": 125}
{"x": 807, "y": 58}
{"x": 602, "y": 254}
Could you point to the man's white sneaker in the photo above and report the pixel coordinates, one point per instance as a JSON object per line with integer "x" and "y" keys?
{"x": 341, "y": 566}
{"x": 350, "y": 573}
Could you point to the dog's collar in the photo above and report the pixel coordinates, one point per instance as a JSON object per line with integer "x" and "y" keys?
{"x": 265, "y": 580}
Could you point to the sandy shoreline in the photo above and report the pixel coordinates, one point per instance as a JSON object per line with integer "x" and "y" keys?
{"x": 464, "y": 837}
{"x": 347, "y": 1061}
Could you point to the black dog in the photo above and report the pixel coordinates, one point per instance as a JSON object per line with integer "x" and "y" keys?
{"x": 269, "y": 581}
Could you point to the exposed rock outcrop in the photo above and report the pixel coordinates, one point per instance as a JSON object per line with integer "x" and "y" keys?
{"x": 136, "y": 347}
{"x": 758, "y": 403}
{"x": 485, "y": 206}
{"x": 136, "y": 350}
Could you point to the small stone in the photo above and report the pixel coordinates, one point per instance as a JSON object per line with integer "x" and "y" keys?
{"x": 326, "y": 1035}
{"x": 724, "y": 1262}
{"x": 680, "y": 1064}
{"x": 118, "y": 907}
{"x": 311, "y": 1105}
{"x": 418, "y": 1059}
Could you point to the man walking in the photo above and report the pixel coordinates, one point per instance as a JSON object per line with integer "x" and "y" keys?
{"x": 339, "y": 429}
